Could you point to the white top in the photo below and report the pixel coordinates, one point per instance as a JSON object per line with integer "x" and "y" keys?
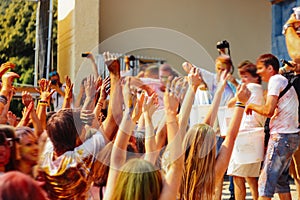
{"x": 58, "y": 100}
{"x": 285, "y": 118}
{"x": 202, "y": 97}
{"x": 257, "y": 97}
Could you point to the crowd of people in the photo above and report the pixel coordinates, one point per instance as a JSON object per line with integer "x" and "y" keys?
{"x": 103, "y": 144}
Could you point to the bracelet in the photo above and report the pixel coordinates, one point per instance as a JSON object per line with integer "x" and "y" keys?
{"x": 239, "y": 104}
{"x": 3, "y": 99}
{"x": 43, "y": 103}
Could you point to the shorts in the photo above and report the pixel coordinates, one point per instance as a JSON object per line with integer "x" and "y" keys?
{"x": 275, "y": 171}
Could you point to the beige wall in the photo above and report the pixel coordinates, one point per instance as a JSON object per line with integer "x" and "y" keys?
{"x": 78, "y": 31}
{"x": 245, "y": 24}
{"x": 181, "y": 30}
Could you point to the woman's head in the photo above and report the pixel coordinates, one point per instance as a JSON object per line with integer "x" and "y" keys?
{"x": 200, "y": 156}
{"x": 28, "y": 148}
{"x": 16, "y": 185}
{"x": 7, "y": 148}
{"x": 247, "y": 72}
{"x": 63, "y": 128}
{"x": 223, "y": 63}
{"x": 138, "y": 179}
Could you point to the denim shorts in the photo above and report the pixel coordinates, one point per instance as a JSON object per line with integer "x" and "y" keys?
{"x": 275, "y": 171}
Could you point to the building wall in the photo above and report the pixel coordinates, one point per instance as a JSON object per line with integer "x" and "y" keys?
{"x": 245, "y": 24}
{"x": 78, "y": 31}
{"x": 175, "y": 30}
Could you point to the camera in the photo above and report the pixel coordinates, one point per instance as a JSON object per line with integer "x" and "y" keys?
{"x": 222, "y": 44}
{"x": 85, "y": 54}
{"x": 53, "y": 82}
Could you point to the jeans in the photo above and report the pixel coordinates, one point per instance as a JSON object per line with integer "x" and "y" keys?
{"x": 275, "y": 171}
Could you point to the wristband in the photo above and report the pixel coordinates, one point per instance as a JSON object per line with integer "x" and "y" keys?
{"x": 3, "y": 99}
{"x": 43, "y": 103}
{"x": 239, "y": 104}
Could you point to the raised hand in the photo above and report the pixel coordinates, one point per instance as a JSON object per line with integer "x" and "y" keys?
{"x": 6, "y": 66}
{"x": 90, "y": 87}
{"x": 87, "y": 116}
{"x": 292, "y": 19}
{"x": 103, "y": 92}
{"x": 68, "y": 88}
{"x": 128, "y": 96}
{"x": 171, "y": 102}
{"x": 243, "y": 93}
{"x": 224, "y": 77}
{"x": 112, "y": 62}
{"x": 26, "y": 98}
{"x": 7, "y": 80}
{"x": 187, "y": 67}
{"x": 150, "y": 104}
{"x": 45, "y": 90}
{"x": 194, "y": 78}
{"x": 11, "y": 118}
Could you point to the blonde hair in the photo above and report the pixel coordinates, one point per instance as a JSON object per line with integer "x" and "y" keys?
{"x": 137, "y": 180}
{"x": 198, "y": 181}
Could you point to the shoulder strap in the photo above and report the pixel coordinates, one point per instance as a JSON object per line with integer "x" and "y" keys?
{"x": 289, "y": 85}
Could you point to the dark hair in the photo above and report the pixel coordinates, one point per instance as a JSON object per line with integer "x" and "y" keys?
{"x": 8, "y": 135}
{"x": 63, "y": 128}
{"x": 269, "y": 59}
{"x": 248, "y": 67}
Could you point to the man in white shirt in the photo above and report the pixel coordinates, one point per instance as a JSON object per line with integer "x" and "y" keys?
{"x": 284, "y": 133}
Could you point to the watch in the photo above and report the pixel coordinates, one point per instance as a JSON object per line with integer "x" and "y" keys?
{"x": 285, "y": 27}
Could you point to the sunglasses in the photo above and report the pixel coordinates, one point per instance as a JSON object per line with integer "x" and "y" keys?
{"x": 53, "y": 73}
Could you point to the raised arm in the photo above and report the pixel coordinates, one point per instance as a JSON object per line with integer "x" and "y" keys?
{"x": 194, "y": 80}
{"x": 292, "y": 39}
{"x": 102, "y": 98}
{"x": 90, "y": 91}
{"x": 119, "y": 151}
{"x": 45, "y": 95}
{"x": 68, "y": 93}
{"x": 243, "y": 94}
{"x": 114, "y": 112}
{"x": 149, "y": 107}
{"x": 94, "y": 65}
{"x": 173, "y": 176}
{"x": 6, "y": 92}
{"x": 6, "y": 66}
{"x": 212, "y": 113}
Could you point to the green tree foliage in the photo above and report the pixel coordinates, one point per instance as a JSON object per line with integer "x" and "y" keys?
{"x": 17, "y": 38}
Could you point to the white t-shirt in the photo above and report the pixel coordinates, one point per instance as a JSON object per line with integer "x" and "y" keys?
{"x": 285, "y": 118}
{"x": 257, "y": 97}
{"x": 58, "y": 100}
